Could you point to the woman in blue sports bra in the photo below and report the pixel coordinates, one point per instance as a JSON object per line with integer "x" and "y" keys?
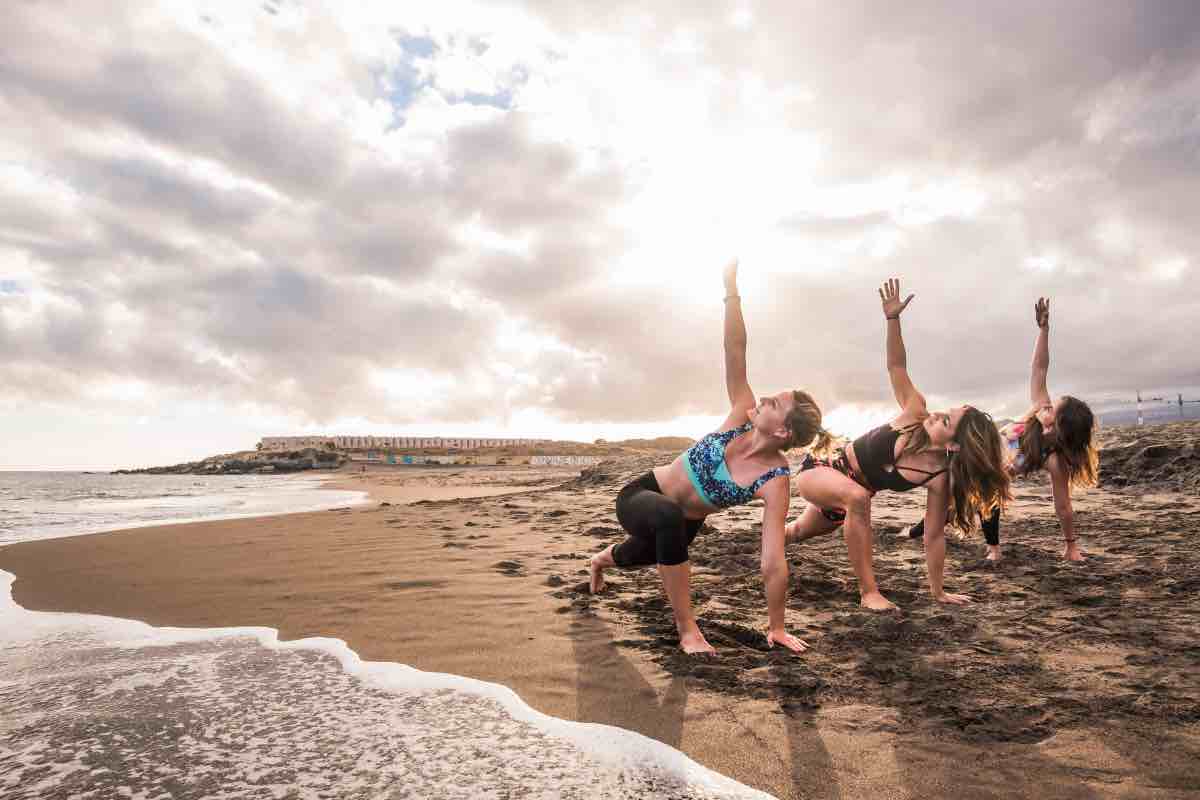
{"x": 956, "y": 455}
{"x": 664, "y": 509}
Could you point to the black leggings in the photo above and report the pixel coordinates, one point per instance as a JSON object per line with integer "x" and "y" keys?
{"x": 991, "y": 528}
{"x": 658, "y": 531}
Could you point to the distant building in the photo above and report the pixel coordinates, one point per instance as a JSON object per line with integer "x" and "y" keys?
{"x": 389, "y": 442}
{"x": 293, "y": 442}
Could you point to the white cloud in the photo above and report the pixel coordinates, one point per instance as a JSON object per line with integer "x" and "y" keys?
{"x": 415, "y": 216}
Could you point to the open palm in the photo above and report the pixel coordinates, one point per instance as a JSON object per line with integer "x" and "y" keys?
{"x": 889, "y": 296}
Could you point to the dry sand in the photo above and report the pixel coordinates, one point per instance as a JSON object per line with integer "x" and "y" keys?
{"x": 1061, "y": 681}
{"x": 401, "y": 485}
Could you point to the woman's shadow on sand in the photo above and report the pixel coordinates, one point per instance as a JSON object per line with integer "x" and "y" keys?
{"x": 812, "y": 771}
{"x": 610, "y": 689}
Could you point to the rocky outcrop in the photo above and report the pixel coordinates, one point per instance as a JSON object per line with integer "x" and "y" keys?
{"x": 245, "y": 463}
{"x": 1159, "y": 457}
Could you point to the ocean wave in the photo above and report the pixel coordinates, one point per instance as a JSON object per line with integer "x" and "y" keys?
{"x": 116, "y": 707}
{"x": 67, "y": 504}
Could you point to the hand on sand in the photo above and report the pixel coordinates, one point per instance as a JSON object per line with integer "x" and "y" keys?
{"x": 730, "y": 275}
{"x": 694, "y": 644}
{"x": 889, "y": 296}
{"x": 953, "y": 599}
{"x": 787, "y": 640}
{"x": 1072, "y": 552}
{"x": 597, "y": 575}
{"x": 877, "y": 602}
{"x": 1041, "y": 312}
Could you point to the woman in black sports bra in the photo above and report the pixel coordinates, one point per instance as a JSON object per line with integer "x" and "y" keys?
{"x": 956, "y": 455}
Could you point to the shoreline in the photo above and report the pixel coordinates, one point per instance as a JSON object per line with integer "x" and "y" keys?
{"x": 313, "y": 483}
{"x": 622, "y": 752}
{"x": 373, "y": 487}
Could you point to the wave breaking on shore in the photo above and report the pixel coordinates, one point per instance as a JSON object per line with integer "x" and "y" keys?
{"x": 97, "y": 704}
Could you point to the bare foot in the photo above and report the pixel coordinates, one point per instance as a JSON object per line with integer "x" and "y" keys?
{"x": 597, "y": 579}
{"x": 1073, "y": 553}
{"x": 787, "y": 640}
{"x": 694, "y": 643}
{"x": 993, "y": 554}
{"x": 877, "y": 602}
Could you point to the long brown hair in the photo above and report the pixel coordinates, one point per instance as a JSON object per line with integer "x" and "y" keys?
{"x": 804, "y": 423}
{"x": 1074, "y": 423}
{"x": 978, "y": 480}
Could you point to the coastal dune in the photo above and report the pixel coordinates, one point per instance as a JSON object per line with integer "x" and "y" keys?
{"x": 1060, "y": 681}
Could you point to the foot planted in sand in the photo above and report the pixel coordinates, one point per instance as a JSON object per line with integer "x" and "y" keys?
{"x": 692, "y": 642}
{"x": 877, "y": 602}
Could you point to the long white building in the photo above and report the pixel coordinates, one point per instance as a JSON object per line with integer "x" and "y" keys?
{"x": 389, "y": 442}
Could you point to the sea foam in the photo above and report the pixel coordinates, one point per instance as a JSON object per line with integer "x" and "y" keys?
{"x": 100, "y": 707}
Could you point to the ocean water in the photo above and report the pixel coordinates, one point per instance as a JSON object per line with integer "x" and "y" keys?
{"x": 43, "y": 505}
{"x": 97, "y": 707}
{"x": 1154, "y": 412}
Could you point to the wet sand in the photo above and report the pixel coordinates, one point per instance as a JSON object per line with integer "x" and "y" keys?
{"x": 1062, "y": 680}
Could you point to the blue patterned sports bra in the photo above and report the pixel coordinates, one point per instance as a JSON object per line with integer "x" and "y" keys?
{"x": 705, "y": 464}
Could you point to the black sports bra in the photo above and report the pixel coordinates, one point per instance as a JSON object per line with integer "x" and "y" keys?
{"x": 876, "y": 454}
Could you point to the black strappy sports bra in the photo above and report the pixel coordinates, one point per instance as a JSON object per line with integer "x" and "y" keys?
{"x": 876, "y": 454}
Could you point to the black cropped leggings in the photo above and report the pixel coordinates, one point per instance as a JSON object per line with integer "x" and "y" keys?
{"x": 991, "y": 528}
{"x": 658, "y": 531}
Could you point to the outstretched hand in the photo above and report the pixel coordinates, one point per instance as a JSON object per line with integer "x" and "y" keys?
{"x": 889, "y": 296}
{"x": 787, "y": 640}
{"x": 730, "y": 275}
{"x": 1041, "y": 312}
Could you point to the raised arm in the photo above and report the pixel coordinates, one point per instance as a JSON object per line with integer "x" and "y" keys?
{"x": 741, "y": 397}
{"x": 776, "y": 493}
{"x": 937, "y": 503}
{"x": 907, "y": 396}
{"x": 1039, "y": 395}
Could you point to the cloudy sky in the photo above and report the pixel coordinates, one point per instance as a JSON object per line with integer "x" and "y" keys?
{"x": 221, "y": 221}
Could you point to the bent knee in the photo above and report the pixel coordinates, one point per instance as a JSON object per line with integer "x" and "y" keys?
{"x": 771, "y": 564}
{"x": 857, "y": 501}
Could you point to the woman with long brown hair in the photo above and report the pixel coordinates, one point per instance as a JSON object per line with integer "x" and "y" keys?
{"x": 1053, "y": 435}
{"x": 663, "y": 510}
{"x": 956, "y": 455}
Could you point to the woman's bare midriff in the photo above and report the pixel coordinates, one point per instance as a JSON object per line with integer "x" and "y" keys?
{"x": 673, "y": 481}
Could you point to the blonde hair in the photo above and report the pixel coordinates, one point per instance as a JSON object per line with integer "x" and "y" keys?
{"x": 804, "y": 423}
{"x": 978, "y": 480}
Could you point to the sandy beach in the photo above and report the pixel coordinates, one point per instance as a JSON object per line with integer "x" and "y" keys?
{"x": 1061, "y": 680}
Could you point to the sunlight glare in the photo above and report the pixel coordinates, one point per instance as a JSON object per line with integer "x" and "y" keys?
{"x": 714, "y": 197}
